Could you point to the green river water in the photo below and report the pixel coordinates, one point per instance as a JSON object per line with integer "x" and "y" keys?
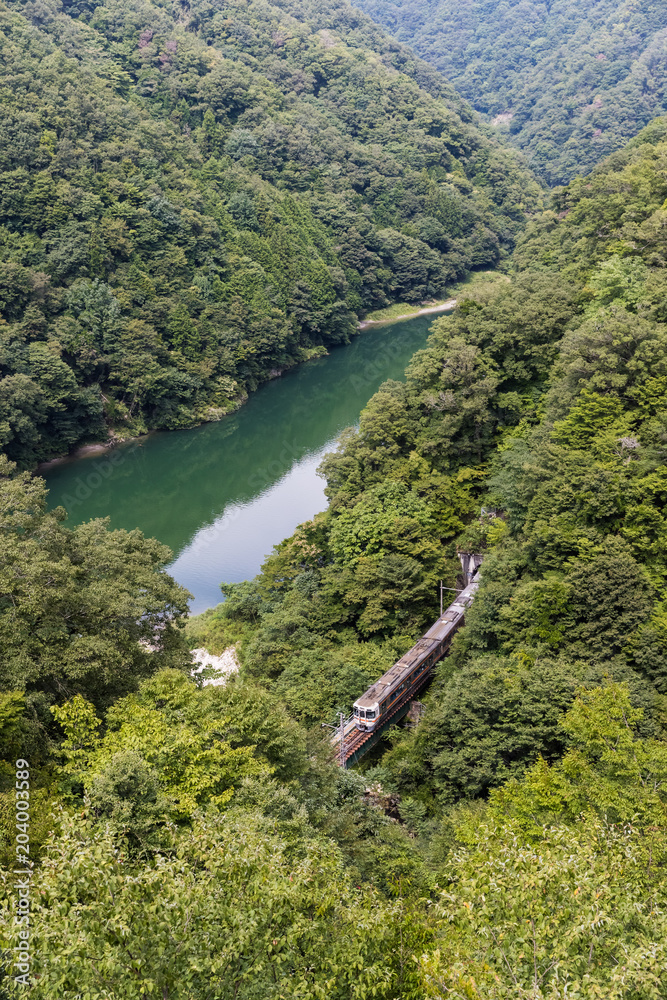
{"x": 222, "y": 495}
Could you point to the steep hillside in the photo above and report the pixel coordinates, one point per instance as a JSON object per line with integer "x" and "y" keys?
{"x": 195, "y": 196}
{"x": 199, "y": 841}
{"x": 533, "y": 428}
{"x": 568, "y": 82}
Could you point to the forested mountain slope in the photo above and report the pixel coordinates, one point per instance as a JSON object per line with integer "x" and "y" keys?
{"x": 568, "y": 82}
{"x": 542, "y": 397}
{"x": 533, "y": 428}
{"x": 193, "y": 196}
{"x": 196, "y": 841}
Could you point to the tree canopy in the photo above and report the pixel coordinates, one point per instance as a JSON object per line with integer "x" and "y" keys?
{"x": 193, "y": 841}
{"x": 531, "y": 428}
{"x": 566, "y": 82}
{"x": 193, "y": 201}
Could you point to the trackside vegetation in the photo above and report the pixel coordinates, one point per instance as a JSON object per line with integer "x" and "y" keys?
{"x": 531, "y": 428}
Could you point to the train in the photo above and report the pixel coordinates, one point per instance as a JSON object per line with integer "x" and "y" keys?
{"x": 402, "y": 681}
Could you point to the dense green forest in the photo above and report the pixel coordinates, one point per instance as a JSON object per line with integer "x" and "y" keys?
{"x": 197, "y": 842}
{"x": 533, "y": 427}
{"x": 568, "y": 81}
{"x": 194, "y": 197}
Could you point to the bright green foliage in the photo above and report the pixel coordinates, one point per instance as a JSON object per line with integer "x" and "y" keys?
{"x": 80, "y": 724}
{"x": 191, "y": 746}
{"x": 579, "y": 914}
{"x": 591, "y": 611}
{"x": 84, "y": 614}
{"x": 190, "y": 871}
{"x": 191, "y": 202}
{"x": 378, "y": 518}
{"x": 234, "y": 911}
{"x": 22, "y": 736}
{"x": 546, "y": 899}
{"x": 568, "y": 83}
{"x": 11, "y": 711}
{"x": 619, "y": 279}
{"x": 485, "y": 723}
{"x": 44, "y": 799}
{"x": 592, "y": 413}
{"x": 609, "y": 770}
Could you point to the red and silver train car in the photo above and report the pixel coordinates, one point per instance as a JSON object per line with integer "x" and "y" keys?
{"x": 404, "y": 679}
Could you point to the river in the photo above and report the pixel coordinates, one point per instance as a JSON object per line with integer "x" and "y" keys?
{"x": 222, "y": 495}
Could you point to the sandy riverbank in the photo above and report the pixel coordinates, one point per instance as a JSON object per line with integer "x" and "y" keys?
{"x": 88, "y": 450}
{"x": 443, "y": 307}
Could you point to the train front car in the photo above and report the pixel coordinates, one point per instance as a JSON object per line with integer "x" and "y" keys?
{"x": 367, "y": 711}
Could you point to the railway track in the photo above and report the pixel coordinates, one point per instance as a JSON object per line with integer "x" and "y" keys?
{"x": 353, "y": 743}
{"x": 354, "y": 739}
{"x": 389, "y": 698}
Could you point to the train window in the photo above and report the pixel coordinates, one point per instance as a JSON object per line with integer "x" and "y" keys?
{"x": 370, "y": 714}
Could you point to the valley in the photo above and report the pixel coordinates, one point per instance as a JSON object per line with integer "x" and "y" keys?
{"x": 201, "y": 203}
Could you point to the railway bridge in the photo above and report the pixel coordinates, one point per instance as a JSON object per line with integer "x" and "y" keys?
{"x": 388, "y": 700}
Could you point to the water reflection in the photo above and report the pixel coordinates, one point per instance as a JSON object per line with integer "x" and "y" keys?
{"x": 222, "y": 495}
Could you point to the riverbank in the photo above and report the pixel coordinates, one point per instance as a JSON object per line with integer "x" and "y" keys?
{"x": 116, "y": 439}
{"x": 210, "y": 415}
{"x": 89, "y": 451}
{"x": 222, "y": 495}
{"x": 400, "y": 312}
{"x": 477, "y": 285}
{"x": 440, "y": 307}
